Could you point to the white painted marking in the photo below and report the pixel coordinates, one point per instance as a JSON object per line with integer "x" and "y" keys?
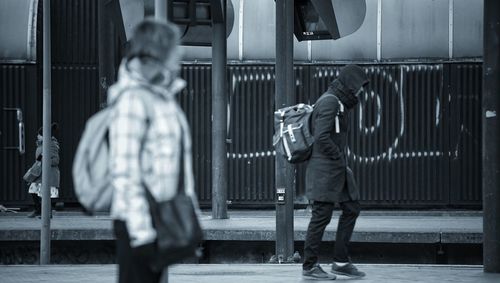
{"x": 491, "y": 114}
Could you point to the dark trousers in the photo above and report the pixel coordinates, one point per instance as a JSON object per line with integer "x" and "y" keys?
{"x": 132, "y": 267}
{"x": 37, "y": 201}
{"x": 321, "y": 216}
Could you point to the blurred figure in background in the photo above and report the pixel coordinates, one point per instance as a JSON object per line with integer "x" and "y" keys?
{"x": 34, "y": 174}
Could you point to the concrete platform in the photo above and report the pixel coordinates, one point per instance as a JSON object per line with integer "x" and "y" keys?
{"x": 230, "y": 273}
{"x": 372, "y": 226}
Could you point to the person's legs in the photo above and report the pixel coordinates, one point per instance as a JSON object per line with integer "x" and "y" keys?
{"x": 341, "y": 261}
{"x": 347, "y": 221}
{"x": 37, "y": 204}
{"x": 131, "y": 268}
{"x": 321, "y": 216}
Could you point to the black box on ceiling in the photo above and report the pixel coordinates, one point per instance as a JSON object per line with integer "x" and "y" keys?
{"x": 327, "y": 19}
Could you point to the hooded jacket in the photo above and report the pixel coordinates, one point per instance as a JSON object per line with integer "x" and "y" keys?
{"x": 145, "y": 147}
{"x": 328, "y": 177}
{"x": 54, "y": 175}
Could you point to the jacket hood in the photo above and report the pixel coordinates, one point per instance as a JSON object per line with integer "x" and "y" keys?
{"x": 351, "y": 78}
{"x": 129, "y": 76}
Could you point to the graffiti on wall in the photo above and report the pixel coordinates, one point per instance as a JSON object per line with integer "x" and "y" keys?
{"x": 385, "y": 104}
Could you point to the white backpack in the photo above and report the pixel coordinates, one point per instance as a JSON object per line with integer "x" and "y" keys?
{"x": 91, "y": 174}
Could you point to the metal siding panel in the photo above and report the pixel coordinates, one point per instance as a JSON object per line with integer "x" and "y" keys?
{"x": 420, "y": 157}
{"x": 361, "y": 45}
{"x": 468, "y": 28}
{"x": 14, "y": 26}
{"x": 18, "y": 90}
{"x": 251, "y": 128}
{"x": 400, "y": 178}
{"x": 390, "y": 143}
{"x": 410, "y": 29}
{"x": 407, "y": 34}
{"x": 75, "y": 97}
{"x": 259, "y": 28}
{"x": 465, "y": 133}
{"x": 74, "y": 32}
{"x": 233, "y": 38}
{"x": 195, "y": 100}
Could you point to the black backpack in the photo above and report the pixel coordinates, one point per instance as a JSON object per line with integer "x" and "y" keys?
{"x": 293, "y": 138}
{"x": 292, "y": 135}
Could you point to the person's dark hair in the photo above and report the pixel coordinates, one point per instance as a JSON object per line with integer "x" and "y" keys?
{"x": 153, "y": 39}
{"x": 54, "y": 129}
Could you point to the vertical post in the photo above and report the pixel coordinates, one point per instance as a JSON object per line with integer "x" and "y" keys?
{"x": 161, "y": 9}
{"x": 47, "y": 137}
{"x": 161, "y": 15}
{"x": 104, "y": 38}
{"x": 491, "y": 137}
{"x": 219, "y": 118}
{"x": 284, "y": 96}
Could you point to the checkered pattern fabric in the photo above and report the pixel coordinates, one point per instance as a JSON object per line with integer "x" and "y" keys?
{"x": 145, "y": 140}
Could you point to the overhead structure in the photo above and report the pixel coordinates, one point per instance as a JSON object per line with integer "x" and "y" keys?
{"x": 327, "y": 19}
{"x": 195, "y": 19}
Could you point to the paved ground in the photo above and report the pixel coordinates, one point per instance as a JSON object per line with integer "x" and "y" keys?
{"x": 222, "y": 273}
{"x": 372, "y": 226}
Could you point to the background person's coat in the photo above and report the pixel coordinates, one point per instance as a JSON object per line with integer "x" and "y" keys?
{"x": 328, "y": 177}
{"x": 54, "y": 175}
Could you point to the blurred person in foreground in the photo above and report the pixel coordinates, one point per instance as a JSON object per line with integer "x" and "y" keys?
{"x": 148, "y": 133}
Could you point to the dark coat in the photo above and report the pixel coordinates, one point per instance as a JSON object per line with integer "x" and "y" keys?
{"x": 54, "y": 176}
{"x": 328, "y": 176}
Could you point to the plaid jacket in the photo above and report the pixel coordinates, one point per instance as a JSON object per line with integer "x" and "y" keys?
{"x": 148, "y": 117}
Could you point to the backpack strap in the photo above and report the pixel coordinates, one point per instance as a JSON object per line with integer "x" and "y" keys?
{"x": 341, "y": 110}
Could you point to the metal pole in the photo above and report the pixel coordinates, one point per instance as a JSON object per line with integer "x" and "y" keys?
{"x": 219, "y": 119}
{"x": 47, "y": 137}
{"x": 161, "y": 9}
{"x": 491, "y": 137}
{"x": 161, "y": 14}
{"x": 284, "y": 96}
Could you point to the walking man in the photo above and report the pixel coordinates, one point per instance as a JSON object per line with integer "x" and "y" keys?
{"x": 329, "y": 179}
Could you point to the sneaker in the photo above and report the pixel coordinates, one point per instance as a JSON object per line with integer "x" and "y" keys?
{"x": 317, "y": 273}
{"x": 347, "y": 270}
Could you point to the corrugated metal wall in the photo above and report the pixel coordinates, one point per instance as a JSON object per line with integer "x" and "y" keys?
{"x": 251, "y": 162}
{"x": 196, "y": 100}
{"x": 415, "y": 137}
{"x": 75, "y": 98}
{"x": 75, "y": 78}
{"x": 74, "y": 94}
{"x": 17, "y": 90}
{"x": 465, "y": 132}
{"x": 398, "y": 135}
{"x": 74, "y": 32}
{"x": 414, "y": 141}
{"x": 400, "y": 139}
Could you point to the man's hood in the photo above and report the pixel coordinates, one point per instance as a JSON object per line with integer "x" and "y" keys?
{"x": 351, "y": 78}
{"x": 128, "y": 77}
